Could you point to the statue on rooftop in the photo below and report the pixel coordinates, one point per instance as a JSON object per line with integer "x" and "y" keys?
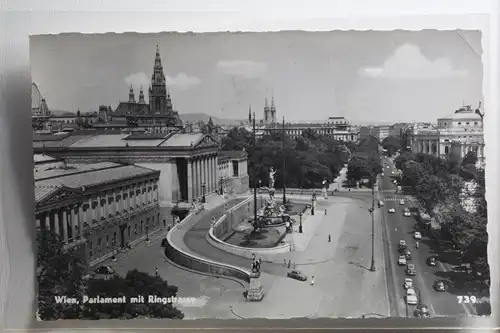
{"x": 272, "y": 178}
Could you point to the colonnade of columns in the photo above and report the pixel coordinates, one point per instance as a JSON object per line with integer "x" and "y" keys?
{"x": 70, "y": 222}
{"x": 428, "y": 147}
{"x": 202, "y": 175}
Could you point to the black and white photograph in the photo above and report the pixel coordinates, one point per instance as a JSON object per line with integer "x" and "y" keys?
{"x": 278, "y": 175}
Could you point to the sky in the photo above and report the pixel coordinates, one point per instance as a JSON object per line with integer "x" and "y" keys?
{"x": 365, "y": 76}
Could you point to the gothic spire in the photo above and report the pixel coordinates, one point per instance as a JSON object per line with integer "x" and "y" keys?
{"x": 131, "y": 96}
{"x": 141, "y": 96}
{"x": 250, "y": 113}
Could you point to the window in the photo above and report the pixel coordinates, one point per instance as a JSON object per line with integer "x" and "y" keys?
{"x": 135, "y": 229}
{"x": 467, "y": 123}
{"x": 235, "y": 168}
{"x": 91, "y": 253}
{"x": 446, "y": 149}
{"x": 475, "y": 123}
{"x": 128, "y": 231}
{"x": 114, "y": 237}
{"x": 107, "y": 241}
{"x": 460, "y": 123}
{"x": 99, "y": 244}
{"x": 142, "y": 225}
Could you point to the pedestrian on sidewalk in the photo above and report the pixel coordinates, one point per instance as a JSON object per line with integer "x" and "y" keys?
{"x": 156, "y": 272}
{"x": 312, "y": 280}
{"x": 329, "y": 238}
{"x": 325, "y": 211}
{"x": 284, "y": 262}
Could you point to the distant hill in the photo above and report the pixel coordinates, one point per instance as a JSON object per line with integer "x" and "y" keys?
{"x": 61, "y": 113}
{"x": 194, "y": 117}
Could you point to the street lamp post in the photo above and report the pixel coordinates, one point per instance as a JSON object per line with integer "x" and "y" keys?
{"x": 221, "y": 189}
{"x": 254, "y": 172}
{"x": 300, "y": 225}
{"x": 372, "y": 267}
{"x": 203, "y": 198}
{"x": 284, "y": 164}
{"x": 113, "y": 242}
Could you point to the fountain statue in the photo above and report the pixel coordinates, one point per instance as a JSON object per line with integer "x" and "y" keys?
{"x": 272, "y": 179}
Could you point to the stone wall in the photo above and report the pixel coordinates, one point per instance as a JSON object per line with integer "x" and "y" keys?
{"x": 235, "y": 216}
{"x": 191, "y": 261}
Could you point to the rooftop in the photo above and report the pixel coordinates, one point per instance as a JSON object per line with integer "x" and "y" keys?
{"x": 233, "y": 154}
{"x": 88, "y": 175}
{"x": 41, "y": 158}
{"x": 183, "y": 140}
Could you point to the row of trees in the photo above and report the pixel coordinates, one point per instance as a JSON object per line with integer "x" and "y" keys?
{"x": 61, "y": 273}
{"x": 308, "y": 160}
{"x": 366, "y": 162}
{"x": 441, "y": 186}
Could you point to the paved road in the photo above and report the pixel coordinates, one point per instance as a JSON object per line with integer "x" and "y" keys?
{"x": 398, "y": 228}
{"x": 195, "y": 240}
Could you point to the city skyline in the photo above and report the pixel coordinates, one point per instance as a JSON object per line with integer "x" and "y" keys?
{"x": 368, "y": 77}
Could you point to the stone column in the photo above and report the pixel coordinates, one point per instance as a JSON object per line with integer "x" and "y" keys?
{"x": 65, "y": 225}
{"x": 204, "y": 174}
{"x": 46, "y": 221}
{"x": 74, "y": 222}
{"x": 210, "y": 176}
{"x": 190, "y": 179}
{"x": 56, "y": 222}
{"x": 196, "y": 178}
{"x": 82, "y": 217}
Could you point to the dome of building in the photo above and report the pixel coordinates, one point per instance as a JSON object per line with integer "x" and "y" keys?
{"x": 465, "y": 112}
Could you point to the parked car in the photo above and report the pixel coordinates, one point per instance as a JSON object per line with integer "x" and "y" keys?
{"x": 431, "y": 261}
{"x": 392, "y": 210}
{"x": 103, "y": 272}
{"x": 417, "y": 235}
{"x": 411, "y": 270}
{"x": 422, "y": 311}
{"x": 297, "y": 275}
{"x": 380, "y": 203}
{"x": 408, "y": 255}
{"x": 439, "y": 285}
{"x": 402, "y": 261}
{"x": 411, "y": 297}
{"x": 408, "y": 283}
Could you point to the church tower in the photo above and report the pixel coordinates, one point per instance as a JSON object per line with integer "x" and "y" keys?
{"x": 267, "y": 113}
{"x": 158, "y": 88}
{"x": 273, "y": 111}
{"x": 141, "y": 97}
{"x": 131, "y": 96}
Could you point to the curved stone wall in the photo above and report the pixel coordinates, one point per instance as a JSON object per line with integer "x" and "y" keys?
{"x": 192, "y": 261}
{"x": 239, "y": 250}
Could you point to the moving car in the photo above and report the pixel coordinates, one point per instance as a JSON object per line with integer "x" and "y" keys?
{"x": 401, "y": 202}
{"x": 408, "y": 255}
{"x": 417, "y": 235}
{"x": 380, "y": 203}
{"x": 402, "y": 246}
{"x": 402, "y": 261}
{"x": 297, "y": 275}
{"x": 392, "y": 210}
{"x": 431, "y": 261}
{"x": 408, "y": 283}
{"x": 411, "y": 270}
{"x": 439, "y": 285}
{"x": 411, "y": 297}
{"x": 406, "y": 212}
{"x": 422, "y": 311}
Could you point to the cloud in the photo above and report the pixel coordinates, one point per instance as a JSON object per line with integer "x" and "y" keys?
{"x": 137, "y": 79}
{"x": 408, "y": 62}
{"x": 243, "y": 68}
{"x": 182, "y": 81}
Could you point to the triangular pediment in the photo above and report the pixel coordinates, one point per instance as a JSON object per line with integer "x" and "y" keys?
{"x": 59, "y": 194}
{"x": 206, "y": 141}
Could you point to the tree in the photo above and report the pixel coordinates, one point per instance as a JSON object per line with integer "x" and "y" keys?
{"x": 135, "y": 283}
{"x": 392, "y": 144}
{"x": 59, "y": 273}
{"x": 469, "y": 159}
